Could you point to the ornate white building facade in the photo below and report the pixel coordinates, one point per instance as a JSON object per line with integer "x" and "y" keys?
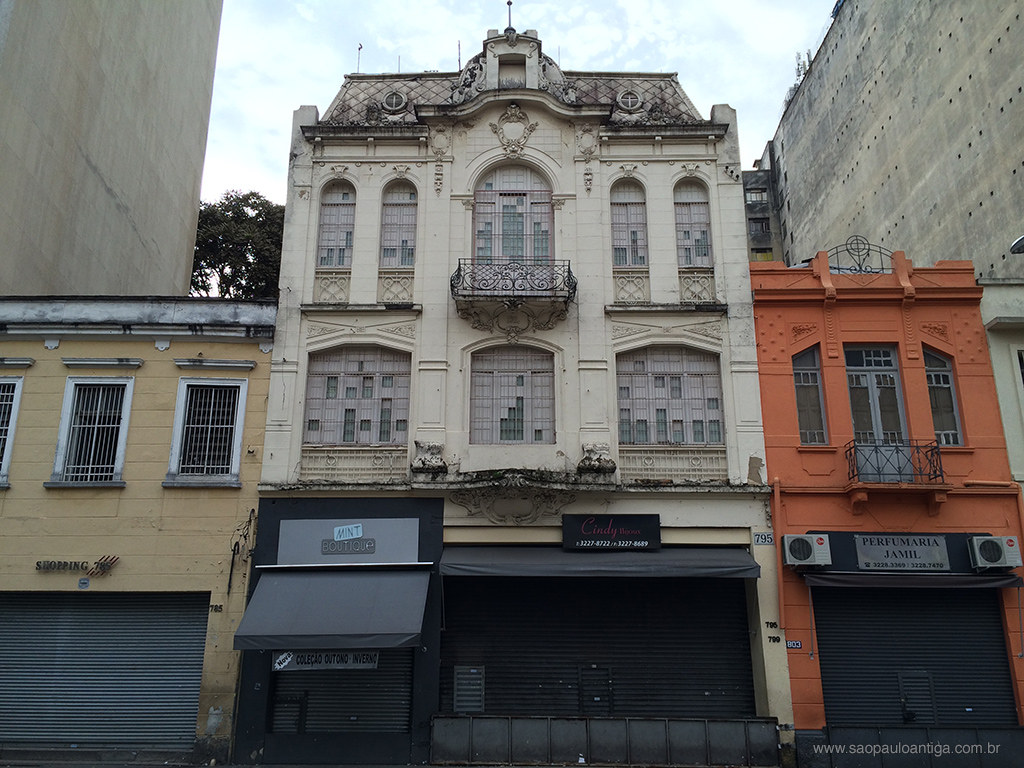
{"x": 514, "y": 326}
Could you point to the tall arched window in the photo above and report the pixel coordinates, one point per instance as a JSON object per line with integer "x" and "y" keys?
{"x": 629, "y": 225}
{"x": 693, "y": 224}
{"x": 398, "y": 226}
{"x": 512, "y": 396}
{"x": 669, "y": 396}
{"x": 358, "y": 396}
{"x": 337, "y": 222}
{"x": 513, "y": 217}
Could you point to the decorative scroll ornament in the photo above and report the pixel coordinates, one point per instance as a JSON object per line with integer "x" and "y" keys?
{"x": 513, "y": 129}
{"x": 513, "y": 500}
{"x": 628, "y": 169}
{"x": 801, "y": 330}
{"x": 409, "y": 331}
{"x": 588, "y": 180}
{"x": 438, "y": 179}
{"x": 690, "y": 169}
{"x": 621, "y": 331}
{"x": 440, "y": 141}
{"x": 513, "y": 318}
{"x": 938, "y": 330}
{"x": 401, "y": 171}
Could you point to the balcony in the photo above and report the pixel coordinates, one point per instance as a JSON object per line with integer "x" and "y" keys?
{"x": 913, "y": 466}
{"x": 513, "y": 297}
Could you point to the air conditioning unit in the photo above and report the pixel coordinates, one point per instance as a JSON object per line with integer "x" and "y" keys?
{"x": 995, "y": 552}
{"x": 807, "y": 549}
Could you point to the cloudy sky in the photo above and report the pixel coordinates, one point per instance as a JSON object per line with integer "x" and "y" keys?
{"x": 276, "y": 55}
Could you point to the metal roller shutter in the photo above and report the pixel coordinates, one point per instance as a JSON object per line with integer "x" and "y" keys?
{"x": 346, "y": 700}
{"x": 923, "y": 656}
{"x": 658, "y": 647}
{"x": 101, "y": 668}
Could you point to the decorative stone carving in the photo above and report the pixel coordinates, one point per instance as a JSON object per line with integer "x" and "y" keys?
{"x": 689, "y": 169}
{"x": 440, "y": 141}
{"x": 557, "y": 203}
{"x": 586, "y": 142}
{"x": 628, "y": 169}
{"x": 401, "y": 170}
{"x": 553, "y": 81}
{"x": 438, "y": 179}
{"x": 408, "y": 331}
{"x": 588, "y": 180}
{"x": 513, "y": 129}
{"x": 621, "y": 331}
{"x": 319, "y": 330}
{"x": 803, "y": 329}
{"x": 597, "y": 457}
{"x": 512, "y": 500}
{"x": 429, "y": 458}
{"x": 938, "y": 330}
{"x": 513, "y": 318}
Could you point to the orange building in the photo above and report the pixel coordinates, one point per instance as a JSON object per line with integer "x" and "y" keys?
{"x": 893, "y": 510}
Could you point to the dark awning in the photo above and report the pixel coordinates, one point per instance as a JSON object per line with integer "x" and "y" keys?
{"x": 917, "y": 580}
{"x": 721, "y": 562}
{"x": 314, "y": 609}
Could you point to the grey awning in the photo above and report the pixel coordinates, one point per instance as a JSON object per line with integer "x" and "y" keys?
{"x": 916, "y": 580}
{"x": 721, "y": 562}
{"x": 314, "y": 609}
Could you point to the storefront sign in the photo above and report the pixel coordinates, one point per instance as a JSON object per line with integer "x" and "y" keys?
{"x": 901, "y": 552}
{"x": 367, "y": 540}
{"x": 99, "y": 567}
{"x": 603, "y": 532}
{"x": 291, "y": 661}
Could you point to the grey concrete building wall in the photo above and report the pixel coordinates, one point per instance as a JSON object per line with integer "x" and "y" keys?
{"x": 106, "y": 105}
{"x": 909, "y": 130}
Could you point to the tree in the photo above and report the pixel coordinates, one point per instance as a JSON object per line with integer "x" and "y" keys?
{"x": 238, "y": 247}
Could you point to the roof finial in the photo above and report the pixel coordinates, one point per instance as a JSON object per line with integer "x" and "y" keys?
{"x": 510, "y": 14}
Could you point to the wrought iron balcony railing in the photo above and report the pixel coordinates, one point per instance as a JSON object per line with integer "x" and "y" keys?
{"x": 910, "y": 461}
{"x": 514, "y": 280}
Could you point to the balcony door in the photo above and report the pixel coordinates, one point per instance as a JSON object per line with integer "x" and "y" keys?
{"x": 876, "y": 404}
{"x": 512, "y": 218}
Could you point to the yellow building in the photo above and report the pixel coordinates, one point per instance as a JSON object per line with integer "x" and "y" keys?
{"x": 131, "y": 434}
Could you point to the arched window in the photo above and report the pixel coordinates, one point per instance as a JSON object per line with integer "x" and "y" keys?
{"x": 810, "y": 411}
{"x": 512, "y": 396}
{"x": 337, "y": 221}
{"x": 693, "y": 225}
{"x": 942, "y": 394}
{"x": 669, "y": 396}
{"x": 629, "y": 225}
{"x": 513, "y": 217}
{"x": 398, "y": 226}
{"x": 358, "y": 396}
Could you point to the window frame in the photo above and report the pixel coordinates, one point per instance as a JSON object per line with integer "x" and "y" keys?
{"x": 399, "y": 411}
{"x": 690, "y": 216}
{"x": 629, "y": 227}
{"x": 486, "y": 410}
{"x": 806, "y": 371}
{"x": 874, "y": 402}
{"x": 345, "y": 210}
{"x": 232, "y": 479}
{"x": 9, "y": 428}
{"x": 684, "y": 379}
{"x": 398, "y": 218}
{"x": 71, "y": 386}
{"x": 946, "y": 370}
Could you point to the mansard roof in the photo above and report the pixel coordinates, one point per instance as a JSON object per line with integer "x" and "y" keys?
{"x": 393, "y": 99}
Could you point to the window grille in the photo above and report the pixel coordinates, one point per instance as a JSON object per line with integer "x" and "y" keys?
{"x": 669, "y": 396}
{"x": 337, "y": 223}
{"x": 358, "y": 396}
{"x": 693, "y": 225}
{"x": 398, "y": 228}
{"x": 875, "y": 400}
{"x": 629, "y": 225}
{"x": 942, "y": 395}
{"x": 10, "y": 390}
{"x": 208, "y": 431}
{"x": 513, "y": 217}
{"x": 94, "y": 433}
{"x": 809, "y": 405}
{"x": 512, "y": 396}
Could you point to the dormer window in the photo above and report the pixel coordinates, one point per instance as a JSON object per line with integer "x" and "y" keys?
{"x": 630, "y": 101}
{"x": 394, "y": 102}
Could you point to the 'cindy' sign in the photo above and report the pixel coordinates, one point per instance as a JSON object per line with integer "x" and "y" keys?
{"x": 611, "y": 532}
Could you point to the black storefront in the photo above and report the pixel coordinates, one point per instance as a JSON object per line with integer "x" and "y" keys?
{"x": 368, "y": 642}
{"x": 341, "y": 633}
{"x": 911, "y": 652}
